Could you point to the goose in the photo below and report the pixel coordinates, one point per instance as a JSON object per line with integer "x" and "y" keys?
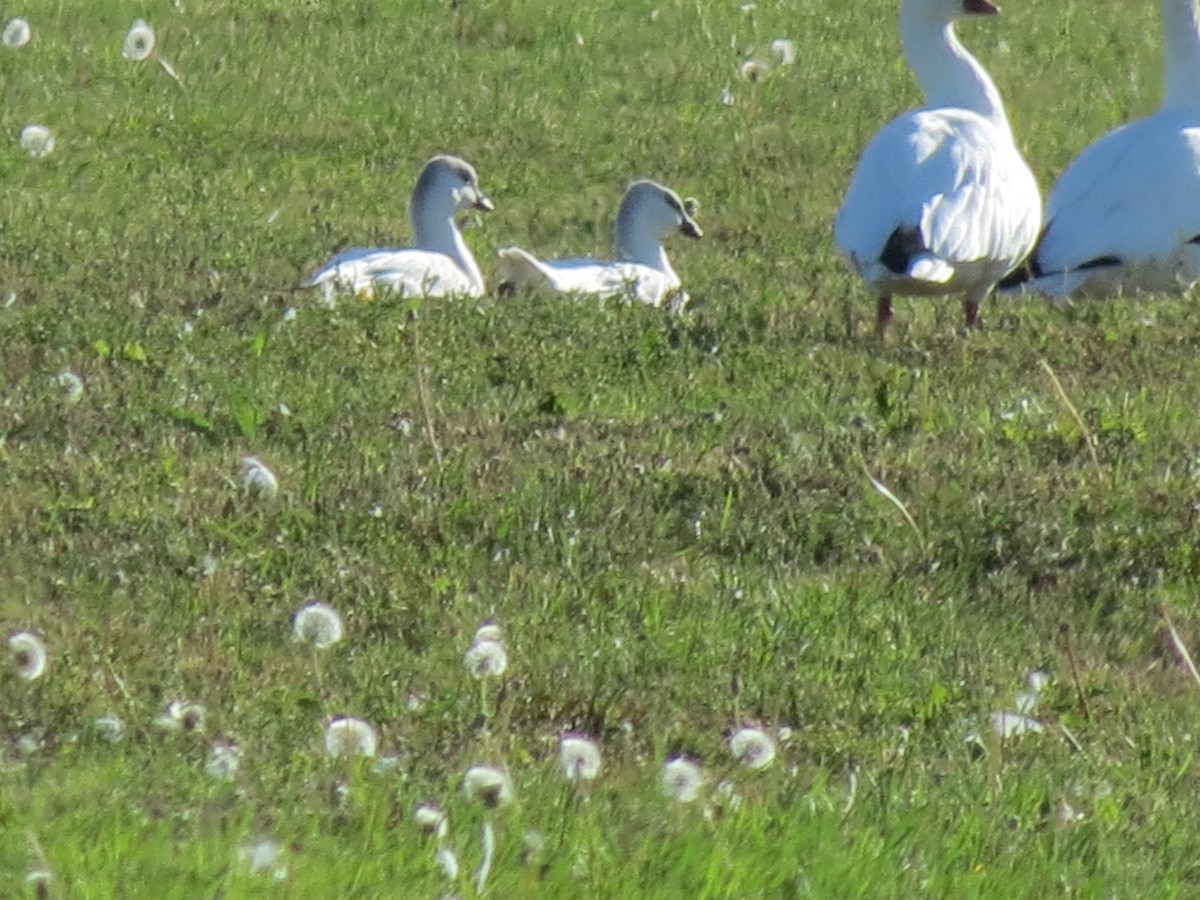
{"x": 1124, "y": 216}
{"x": 439, "y": 263}
{"x": 649, "y": 212}
{"x": 941, "y": 201}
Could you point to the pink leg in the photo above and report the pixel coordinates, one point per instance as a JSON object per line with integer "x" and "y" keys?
{"x": 883, "y": 315}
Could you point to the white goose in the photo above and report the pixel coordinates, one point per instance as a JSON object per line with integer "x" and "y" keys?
{"x": 439, "y": 263}
{"x": 942, "y": 201}
{"x": 649, "y": 212}
{"x": 1125, "y": 215}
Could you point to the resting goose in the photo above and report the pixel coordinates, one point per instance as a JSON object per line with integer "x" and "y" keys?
{"x": 439, "y": 263}
{"x": 1125, "y": 215}
{"x": 649, "y": 212}
{"x": 942, "y": 201}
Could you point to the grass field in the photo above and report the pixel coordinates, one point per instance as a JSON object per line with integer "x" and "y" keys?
{"x": 749, "y": 514}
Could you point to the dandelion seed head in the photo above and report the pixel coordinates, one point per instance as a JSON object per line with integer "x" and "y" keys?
{"x": 726, "y": 97}
{"x": 754, "y": 69}
{"x": 752, "y": 747}
{"x": 257, "y": 478}
{"x": 1037, "y": 680}
{"x": 110, "y": 728}
{"x": 139, "y": 41}
{"x": 39, "y": 881}
{"x": 784, "y": 50}
{"x": 27, "y": 654}
{"x": 17, "y": 33}
{"x": 579, "y": 758}
{"x": 448, "y": 862}
{"x": 488, "y": 631}
{"x": 432, "y": 820}
{"x": 346, "y": 736}
{"x": 682, "y": 779}
{"x": 263, "y": 855}
{"x": 318, "y": 625}
{"x": 37, "y": 140}
{"x": 486, "y": 659}
{"x": 490, "y": 785}
{"x": 71, "y": 384}
{"x": 223, "y": 761}
{"x": 182, "y": 715}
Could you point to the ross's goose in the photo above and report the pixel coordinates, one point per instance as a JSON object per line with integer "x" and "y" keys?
{"x": 942, "y": 201}
{"x": 1125, "y": 215}
{"x": 649, "y": 212}
{"x": 439, "y": 263}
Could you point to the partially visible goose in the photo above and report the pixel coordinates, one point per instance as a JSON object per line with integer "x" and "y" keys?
{"x": 1125, "y": 215}
{"x": 439, "y": 263}
{"x": 649, "y": 212}
{"x": 942, "y": 201}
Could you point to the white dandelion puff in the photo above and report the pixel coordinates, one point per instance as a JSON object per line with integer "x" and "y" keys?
{"x": 223, "y": 761}
{"x": 37, "y": 140}
{"x": 579, "y": 758}
{"x": 28, "y": 655}
{"x": 726, "y": 97}
{"x": 263, "y": 855}
{"x": 17, "y": 33}
{"x": 486, "y": 659}
{"x": 432, "y": 820}
{"x": 110, "y": 728}
{"x": 257, "y": 478}
{"x": 490, "y": 785}
{"x": 754, "y": 69}
{"x": 752, "y": 747}
{"x": 682, "y": 779}
{"x": 139, "y": 41}
{"x": 1006, "y": 725}
{"x": 71, "y": 384}
{"x": 345, "y": 736}
{"x": 488, "y": 631}
{"x": 317, "y": 624}
{"x": 784, "y": 50}
{"x": 39, "y": 881}
{"x": 182, "y": 715}
{"x": 448, "y": 862}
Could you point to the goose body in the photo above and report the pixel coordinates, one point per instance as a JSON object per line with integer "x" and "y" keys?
{"x": 649, "y": 212}
{"x": 1124, "y": 216}
{"x": 438, "y": 264}
{"x": 941, "y": 201}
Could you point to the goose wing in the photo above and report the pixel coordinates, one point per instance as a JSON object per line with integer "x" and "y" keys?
{"x": 1125, "y": 214}
{"x": 936, "y": 189}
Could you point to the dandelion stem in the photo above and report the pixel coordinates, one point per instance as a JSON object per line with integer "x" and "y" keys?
{"x": 487, "y": 841}
{"x": 1087, "y": 432}
{"x": 422, "y": 392}
{"x": 896, "y": 502}
{"x": 1064, "y": 631}
{"x": 1180, "y": 647}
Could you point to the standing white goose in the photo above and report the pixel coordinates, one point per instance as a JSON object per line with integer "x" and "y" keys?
{"x": 1125, "y": 215}
{"x": 649, "y": 212}
{"x": 439, "y": 263}
{"x": 942, "y": 201}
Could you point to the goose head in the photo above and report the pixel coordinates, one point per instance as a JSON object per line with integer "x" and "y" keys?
{"x": 446, "y": 186}
{"x": 650, "y": 212}
{"x": 945, "y": 11}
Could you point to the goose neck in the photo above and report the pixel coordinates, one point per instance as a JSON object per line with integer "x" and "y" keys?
{"x": 948, "y": 74}
{"x": 1181, "y": 54}
{"x": 438, "y": 232}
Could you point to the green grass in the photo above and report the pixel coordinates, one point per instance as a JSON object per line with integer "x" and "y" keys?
{"x": 670, "y": 516}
